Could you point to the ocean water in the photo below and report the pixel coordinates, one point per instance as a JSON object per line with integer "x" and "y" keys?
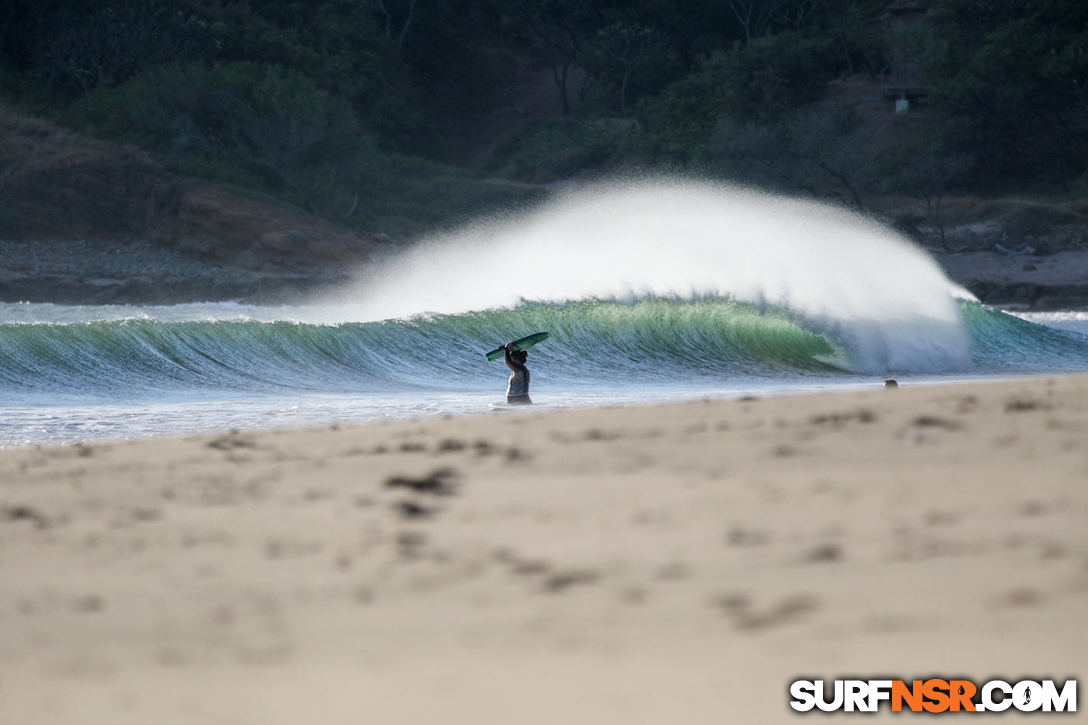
{"x": 652, "y": 291}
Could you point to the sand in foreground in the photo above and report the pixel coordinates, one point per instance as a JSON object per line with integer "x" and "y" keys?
{"x": 677, "y": 563}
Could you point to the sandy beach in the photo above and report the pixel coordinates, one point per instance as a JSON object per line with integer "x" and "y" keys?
{"x": 677, "y": 563}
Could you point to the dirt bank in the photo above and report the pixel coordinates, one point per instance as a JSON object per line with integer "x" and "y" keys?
{"x": 68, "y": 202}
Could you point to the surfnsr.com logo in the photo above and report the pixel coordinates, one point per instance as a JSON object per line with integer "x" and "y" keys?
{"x": 933, "y": 695}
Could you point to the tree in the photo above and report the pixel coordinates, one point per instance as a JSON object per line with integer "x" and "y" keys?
{"x": 561, "y": 28}
{"x": 930, "y": 172}
{"x": 826, "y": 153}
{"x": 797, "y": 14}
{"x": 681, "y": 118}
{"x": 340, "y": 45}
{"x": 87, "y": 45}
{"x": 625, "y": 55}
{"x": 775, "y": 75}
{"x": 271, "y": 123}
{"x": 1012, "y": 86}
{"x": 753, "y": 16}
{"x": 404, "y": 17}
{"x": 11, "y": 15}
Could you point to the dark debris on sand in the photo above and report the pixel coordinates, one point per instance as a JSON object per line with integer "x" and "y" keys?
{"x": 439, "y": 482}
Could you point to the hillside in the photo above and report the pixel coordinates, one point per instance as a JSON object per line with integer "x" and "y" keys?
{"x": 87, "y": 221}
{"x": 84, "y": 220}
{"x": 271, "y": 143}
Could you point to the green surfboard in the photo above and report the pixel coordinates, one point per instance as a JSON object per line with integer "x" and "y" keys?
{"x": 523, "y": 343}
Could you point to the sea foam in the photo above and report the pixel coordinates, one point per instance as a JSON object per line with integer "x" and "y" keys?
{"x": 883, "y": 301}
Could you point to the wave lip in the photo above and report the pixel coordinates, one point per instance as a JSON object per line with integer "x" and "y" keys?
{"x": 882, "y": 299}
{"x": 661, "y": 280}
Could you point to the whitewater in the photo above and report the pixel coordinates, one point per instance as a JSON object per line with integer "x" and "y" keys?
{"x": 652, "y": 290}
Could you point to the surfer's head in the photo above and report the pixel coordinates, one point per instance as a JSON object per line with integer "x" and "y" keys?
{"x": 520, "y": 356}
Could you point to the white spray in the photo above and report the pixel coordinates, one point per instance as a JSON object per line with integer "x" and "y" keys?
{"x": 884, "y": 300}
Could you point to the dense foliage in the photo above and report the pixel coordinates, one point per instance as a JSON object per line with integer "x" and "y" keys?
{"x": 325, "y": 101}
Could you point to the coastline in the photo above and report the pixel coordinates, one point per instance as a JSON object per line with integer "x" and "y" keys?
{"x": 604, "y": 565}
{"x": 86, "y": 221}
{"x": 83, "y": 272}
{"x": 1020, "y": 281}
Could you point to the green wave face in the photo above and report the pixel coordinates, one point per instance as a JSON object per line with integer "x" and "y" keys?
{"x": 1001, "y": 342}
{"x": 593, "y": 344}
{"x": 658, "y": 337}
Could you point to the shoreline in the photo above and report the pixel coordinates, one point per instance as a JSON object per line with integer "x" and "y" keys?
{"x": 144, "y": 274}
{"x": 544, "y": 407}
{"x": 1021, "y": 282}
{"x": 622, "y": 564}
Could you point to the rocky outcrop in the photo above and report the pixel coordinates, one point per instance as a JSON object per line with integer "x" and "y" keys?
{"x": 1013, "y": 253}
{"x": 1030, "y": 296}
{"x": 1020, "y": 279}
{"x": 238, "y": 228}
{"x": 58, "y": 187}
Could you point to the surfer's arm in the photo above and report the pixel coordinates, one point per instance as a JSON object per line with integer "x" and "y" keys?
{"x": 510, "y": 362}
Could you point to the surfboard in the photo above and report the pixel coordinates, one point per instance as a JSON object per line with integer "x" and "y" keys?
{"x": 522, "y": 343}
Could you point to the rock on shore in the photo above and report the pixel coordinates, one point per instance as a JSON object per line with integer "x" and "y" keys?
{"x": 1011, "y": 252}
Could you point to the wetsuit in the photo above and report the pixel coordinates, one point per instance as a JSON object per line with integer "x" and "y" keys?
{"x": 517, "y": 390}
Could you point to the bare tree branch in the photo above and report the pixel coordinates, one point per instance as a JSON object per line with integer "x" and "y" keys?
{"x": 753, "y": 15}
{"x": 354, "y": 206}
{"x": 405, "y": 31}
{"x": 797, "y": 14}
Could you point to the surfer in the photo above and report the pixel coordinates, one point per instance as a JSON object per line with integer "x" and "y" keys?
{"x": 517, "y": 390}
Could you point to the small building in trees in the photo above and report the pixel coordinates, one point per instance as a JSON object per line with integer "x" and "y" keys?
{"x": 907, "y": 34}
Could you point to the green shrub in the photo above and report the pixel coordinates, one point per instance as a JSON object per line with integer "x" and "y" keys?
{"x": 552, "y": 150}
{"x": 763, "y": 81}
{"x": 256, "y": 110}
{"x": 681, "y": 119}
{"x": 264, "y": 127}
{"x": 1012, "y": 87}
{"x": 247, "y": 123}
